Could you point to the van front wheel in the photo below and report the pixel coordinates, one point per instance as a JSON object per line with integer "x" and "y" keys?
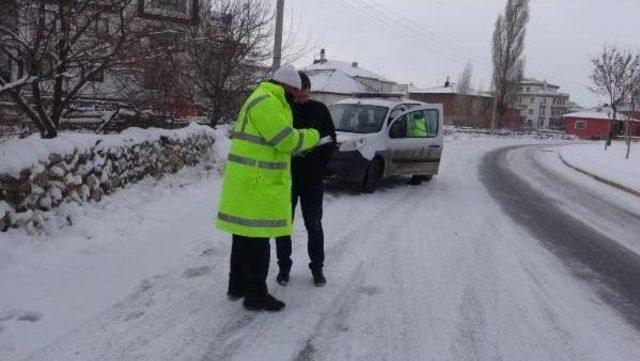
{"x": 373, "y": 176}
{"x": 418, "y": 179}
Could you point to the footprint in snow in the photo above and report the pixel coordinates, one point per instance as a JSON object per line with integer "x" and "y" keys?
{"x": 28, "y": 316}
{"x": 209, "y": 252}
{"x": 196, "y": 272}
{"x": 370, "y": 290}
{"x": 133, "y": 316}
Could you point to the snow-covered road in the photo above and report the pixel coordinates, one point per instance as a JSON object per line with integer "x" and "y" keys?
{"x": 432, "y": 272}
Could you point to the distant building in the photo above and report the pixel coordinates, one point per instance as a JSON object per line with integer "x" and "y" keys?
{"x": 472, "y": 109}
{"x": 334, "y": 80}
{"x": 541, "y": 105}
{"x": 595, "y": 123}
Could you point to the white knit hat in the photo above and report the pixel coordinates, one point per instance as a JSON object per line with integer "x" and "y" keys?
{"x": 287, "y": 74}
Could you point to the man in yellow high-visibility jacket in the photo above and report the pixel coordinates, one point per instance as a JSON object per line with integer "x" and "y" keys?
{"x": 255, "y": 203}
{"x": 418, "y": 126}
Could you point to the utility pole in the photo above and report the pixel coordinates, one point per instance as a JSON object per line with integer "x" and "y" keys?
{"x": 277, "y": 46}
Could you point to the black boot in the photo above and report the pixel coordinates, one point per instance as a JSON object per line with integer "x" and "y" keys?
{"x": 283, "y": 277}
{"x": 318, "y": 278}
{"x": 234, "y": 295}
{"x": 283, "y": 250}
{"x": 264, "y": 302}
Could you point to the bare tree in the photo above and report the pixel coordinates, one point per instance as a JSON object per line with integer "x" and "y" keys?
{"x": 157, "y": 75}
{"x": 229, "y": 53}
{"x": 614, "y": 75}
{"x": 635, "y": 102}
{"x": 58, "y": 47}
{"x": 464, "y": 101}
{"x": 508, "y": 47}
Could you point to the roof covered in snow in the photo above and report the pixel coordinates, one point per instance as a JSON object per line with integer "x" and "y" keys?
{"x": 599, "y": 113}
{"x": 446, "y": 89}
{"x": 352, "y": 70}
{"x": 533, "y": 81}
{"x": 335, "y": 81}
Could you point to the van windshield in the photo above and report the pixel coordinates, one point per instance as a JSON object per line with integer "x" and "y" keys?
{"x": 358, "y": 118}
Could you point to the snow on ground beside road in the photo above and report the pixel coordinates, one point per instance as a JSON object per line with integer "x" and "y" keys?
{"x": 610, "y": 164}
{"x": 435, "y": 272}
{"x": 66, "y": 277}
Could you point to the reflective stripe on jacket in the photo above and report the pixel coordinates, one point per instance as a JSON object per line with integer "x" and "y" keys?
{"x": 256, "y": 190}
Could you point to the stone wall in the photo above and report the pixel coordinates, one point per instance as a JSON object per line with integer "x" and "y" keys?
{"x": 89, "y": 173}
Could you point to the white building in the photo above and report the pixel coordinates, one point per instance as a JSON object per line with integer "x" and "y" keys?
{"x": 334, "y": 80}
{"x": 541, "y": 105}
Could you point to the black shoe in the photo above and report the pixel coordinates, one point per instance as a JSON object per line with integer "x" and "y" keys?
{"x": 283, "y": 278}
{"x": 266, "y": 303}
{"x": 318, "y": 278}
{"x": 234, "y": 296}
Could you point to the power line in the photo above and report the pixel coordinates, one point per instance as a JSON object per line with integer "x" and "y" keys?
{"x": 403, "y": 31}
{"x": 374, "y": 18}
{"x": 391, "y": 13}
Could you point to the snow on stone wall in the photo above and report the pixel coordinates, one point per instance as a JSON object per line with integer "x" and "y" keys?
{"x": 39, "y": 175}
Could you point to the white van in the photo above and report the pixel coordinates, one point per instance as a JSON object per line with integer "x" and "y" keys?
{"x": 380, "y": 137}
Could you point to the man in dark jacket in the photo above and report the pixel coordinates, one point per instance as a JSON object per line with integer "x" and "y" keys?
{"x": 307, "y": 173}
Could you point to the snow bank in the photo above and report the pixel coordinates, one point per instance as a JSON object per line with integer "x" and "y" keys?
{"x": 37, "y": 176}
{"x": 462, "y": 133}
{"x": 19, "y": 154}
{"x": 610, "y": 164}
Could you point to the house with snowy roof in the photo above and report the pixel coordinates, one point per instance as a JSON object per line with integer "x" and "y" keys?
{"x": 473, "y": 108}
{"x": 595, "y": 123}
{"x": 334, "y": 80}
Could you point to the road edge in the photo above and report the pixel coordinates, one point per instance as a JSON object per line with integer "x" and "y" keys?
{"x": 600, "y": 179}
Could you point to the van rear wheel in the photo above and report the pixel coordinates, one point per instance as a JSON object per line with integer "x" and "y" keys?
{"x": 373, "y": 176}
{"x": 418, "y": 179}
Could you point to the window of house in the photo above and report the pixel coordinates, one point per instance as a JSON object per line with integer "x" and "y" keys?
{"x": 102, "y": 26}
{"x": 5, "y": 69}
{"x": 171, "y": 5}
{"x": 97, "y": 77}
{"x": 531, "y": 100}
{"x": 581, "y": 124}
{"x": 530, "y": 111}
{"x": 51, "y": 20}
{"x": 528, "y": 90}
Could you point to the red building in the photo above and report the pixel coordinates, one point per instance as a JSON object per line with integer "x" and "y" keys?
{"x": 594, "y": 124}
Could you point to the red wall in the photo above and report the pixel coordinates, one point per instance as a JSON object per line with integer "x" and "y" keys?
{"x": 596, "y": 128}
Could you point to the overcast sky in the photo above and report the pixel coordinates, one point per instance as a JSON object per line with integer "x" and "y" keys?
{"x": 424, "y": 41}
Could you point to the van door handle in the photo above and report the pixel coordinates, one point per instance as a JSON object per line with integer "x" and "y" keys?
{"x": 434, "y": 146}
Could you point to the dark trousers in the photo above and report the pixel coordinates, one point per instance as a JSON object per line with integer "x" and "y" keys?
{"x": 249, "y": 266}
{"x": 311, "y": 204}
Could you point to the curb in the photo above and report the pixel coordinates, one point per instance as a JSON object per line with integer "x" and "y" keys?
{"x": 606, "y": 181}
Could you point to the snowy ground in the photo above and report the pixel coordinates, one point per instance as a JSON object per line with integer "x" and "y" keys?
{"x": 610, "y": 164}
{"x": 435, "y": 272}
